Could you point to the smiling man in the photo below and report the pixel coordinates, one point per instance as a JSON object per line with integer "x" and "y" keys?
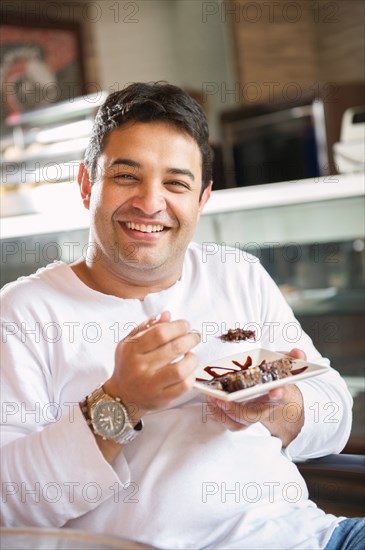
{"x": 145, "y": 202}
{"x": 102, "y": 428}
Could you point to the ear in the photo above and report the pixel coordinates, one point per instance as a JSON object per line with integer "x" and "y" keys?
{"x": 204, "y": 199}
{"x": 85, "y": 185}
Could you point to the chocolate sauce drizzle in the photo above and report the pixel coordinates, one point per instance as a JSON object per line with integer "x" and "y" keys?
{"x": 209, "y": 369}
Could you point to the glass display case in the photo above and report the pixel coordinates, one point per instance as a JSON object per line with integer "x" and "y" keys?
{"x": 42, "y": 147}
{"x": 308, "y": 235}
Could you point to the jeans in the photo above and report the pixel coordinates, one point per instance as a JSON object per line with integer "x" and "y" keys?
{"x": 348, "y": 535}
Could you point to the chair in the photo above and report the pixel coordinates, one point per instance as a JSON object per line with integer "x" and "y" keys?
{"x": 336, "y": 483}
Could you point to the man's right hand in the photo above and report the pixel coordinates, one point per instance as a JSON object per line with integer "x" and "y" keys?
{"x": 153, "y": 365}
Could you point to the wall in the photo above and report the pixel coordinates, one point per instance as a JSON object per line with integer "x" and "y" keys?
{"x": 285, "y": 49}
{"x": 341, "y": 43}
{"x": 274, "y": 55}
{"x": 146, "y": 40}
{"x": 136, "y": 43}
{"x": 231, "y": 52}
{"x": 165, "y": 40}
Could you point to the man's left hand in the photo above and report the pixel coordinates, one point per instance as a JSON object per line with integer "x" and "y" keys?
{"x": 280, "y": 410}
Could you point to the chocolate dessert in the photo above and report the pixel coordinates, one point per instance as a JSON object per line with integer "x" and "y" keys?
{"x": 248, "y": 376}
{"x": 237, "y": 334}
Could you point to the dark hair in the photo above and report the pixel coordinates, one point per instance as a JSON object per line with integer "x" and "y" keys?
{"x": 150, "y": 102}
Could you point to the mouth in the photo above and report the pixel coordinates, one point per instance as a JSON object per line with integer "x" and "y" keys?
{"x": 143, "y": 228}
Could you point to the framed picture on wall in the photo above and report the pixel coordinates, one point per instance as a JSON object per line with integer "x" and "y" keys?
{"x": 41, "y": 63}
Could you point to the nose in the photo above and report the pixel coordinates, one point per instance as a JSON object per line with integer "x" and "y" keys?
{"x": 149, "y": 198}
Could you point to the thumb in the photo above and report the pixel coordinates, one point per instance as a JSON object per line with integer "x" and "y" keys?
{"x": 297, "y": 354}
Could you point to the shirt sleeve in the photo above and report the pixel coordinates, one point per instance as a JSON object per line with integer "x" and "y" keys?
{"x": 51, "y": 467}
{"x": 327, "y": 417}
{"x": 327, "y": 400}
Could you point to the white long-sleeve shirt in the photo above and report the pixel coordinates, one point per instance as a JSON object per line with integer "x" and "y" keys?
{"x": 186, "y": 481}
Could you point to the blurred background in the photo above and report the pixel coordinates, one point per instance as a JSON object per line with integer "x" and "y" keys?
{"x": 282, "y": 84}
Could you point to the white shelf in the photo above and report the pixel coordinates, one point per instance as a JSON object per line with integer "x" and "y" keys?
{"x": 63, "y": 217}
{"x": 37, "y": 224}
{"x": 286, "y": 193}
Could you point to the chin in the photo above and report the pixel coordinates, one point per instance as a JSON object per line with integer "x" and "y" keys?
{"x": 143, "y": 265}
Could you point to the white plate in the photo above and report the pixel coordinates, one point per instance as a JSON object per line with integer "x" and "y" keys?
{"x": 257, "y": 355}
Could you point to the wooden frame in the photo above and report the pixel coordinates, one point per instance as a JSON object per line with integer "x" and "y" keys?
{"x": 41, "y": 63}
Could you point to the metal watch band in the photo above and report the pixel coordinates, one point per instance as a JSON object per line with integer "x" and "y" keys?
{"x": 129, "y": 432}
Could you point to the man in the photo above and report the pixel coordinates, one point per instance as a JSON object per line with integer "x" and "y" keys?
{"x": 143, "y": 456}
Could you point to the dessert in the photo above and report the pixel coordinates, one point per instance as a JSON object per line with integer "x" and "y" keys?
{"x": 248, "y": 376}
{"x": 237, "y": 334}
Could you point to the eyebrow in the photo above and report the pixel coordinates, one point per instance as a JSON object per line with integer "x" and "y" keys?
{"x": 138, "y": 166}
{"x": 181, "y": 172}
{"x": 125, "y": 162}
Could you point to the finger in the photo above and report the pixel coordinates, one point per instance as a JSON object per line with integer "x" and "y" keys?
{"x": 176, "y": 373}
{"x": 168, "y": 356}
{"x": 227, "y": 413}
{"x": 161, "y": 317}
{"x": 277, "y": 394}
{"x": 174, "y": 392}
{"x": 215, "y": 412}
{"x": 282, "y": 394}
{"x": 249, "y": 412}
{"x": 167, "y": 341}
{"x": 159, "y": 334}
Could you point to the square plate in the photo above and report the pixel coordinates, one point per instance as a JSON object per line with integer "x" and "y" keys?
{"x": 257, "y": 355}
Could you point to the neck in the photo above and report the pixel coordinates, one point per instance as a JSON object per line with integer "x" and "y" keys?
{"x": 132, "y": 286}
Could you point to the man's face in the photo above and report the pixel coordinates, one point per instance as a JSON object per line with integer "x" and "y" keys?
{"x": 145, "y": 200}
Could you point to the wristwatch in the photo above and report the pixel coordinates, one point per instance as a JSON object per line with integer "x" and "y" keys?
{"x": 108, "y": 417}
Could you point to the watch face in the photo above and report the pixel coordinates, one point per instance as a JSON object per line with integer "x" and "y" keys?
{"x": 108, "y": 418}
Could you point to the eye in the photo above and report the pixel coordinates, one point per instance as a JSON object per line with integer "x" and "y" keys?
{"x": 178, "y": 185}
{"x": 124, "y": 177}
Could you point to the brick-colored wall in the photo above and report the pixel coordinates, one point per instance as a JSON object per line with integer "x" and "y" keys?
{"x": 341, "y": 43}
{"x": 286, "y": 48}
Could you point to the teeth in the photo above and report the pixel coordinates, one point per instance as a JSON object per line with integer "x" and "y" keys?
{"x": 144, "y": 228}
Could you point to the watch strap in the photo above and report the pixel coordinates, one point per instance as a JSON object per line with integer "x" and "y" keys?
{"x": 130, "y": 430}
